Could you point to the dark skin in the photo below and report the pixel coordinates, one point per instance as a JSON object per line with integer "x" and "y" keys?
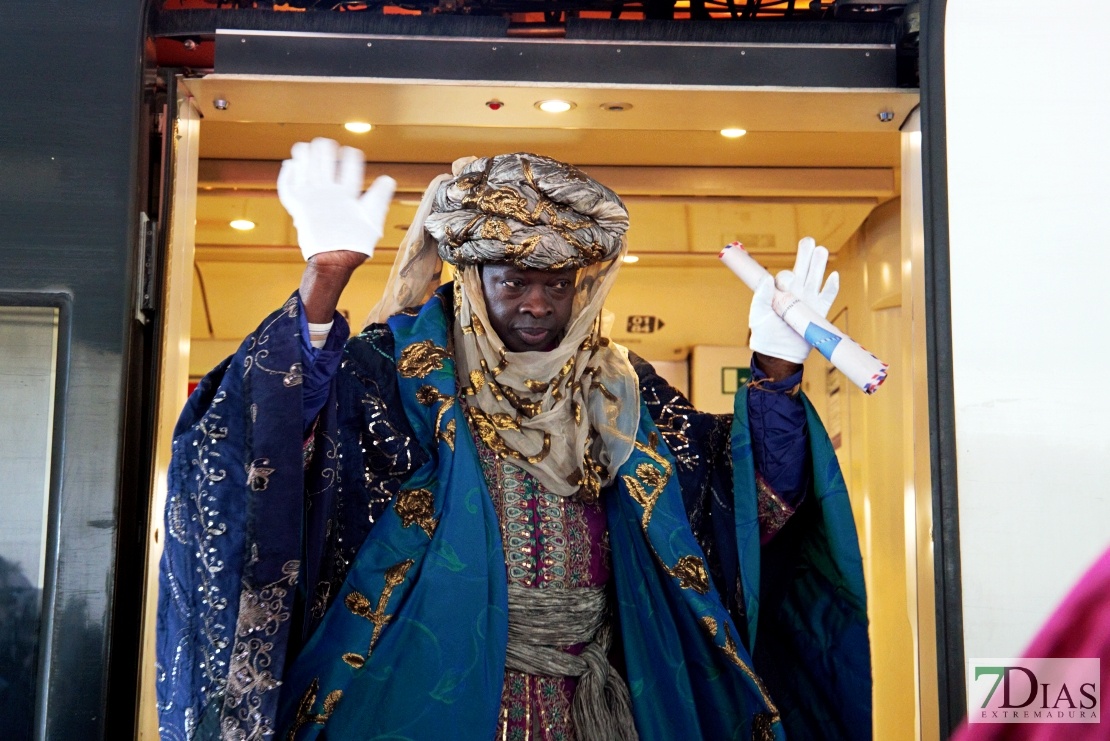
{"x": 529, "y": 309}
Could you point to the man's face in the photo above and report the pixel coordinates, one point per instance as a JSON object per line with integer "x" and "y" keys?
{"x": 529, "y": 309}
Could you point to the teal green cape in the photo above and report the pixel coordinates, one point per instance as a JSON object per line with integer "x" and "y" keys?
{"x": 414, "y": 645}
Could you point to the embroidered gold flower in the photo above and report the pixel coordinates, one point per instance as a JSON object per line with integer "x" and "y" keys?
{"x": 421, "y": 358}
{"x": 691, "y": 574}
{"x": 358, "y": 604}
{"x": 417, "y": 507}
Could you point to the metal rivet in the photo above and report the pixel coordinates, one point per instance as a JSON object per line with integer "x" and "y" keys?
{"x": 220, "y": 104}
{"x": 886, "y": 116}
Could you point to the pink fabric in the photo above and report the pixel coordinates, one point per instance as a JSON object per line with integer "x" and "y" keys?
{"x": 1079, "y": 628}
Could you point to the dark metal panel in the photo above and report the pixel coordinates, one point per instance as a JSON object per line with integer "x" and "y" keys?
{"x": 68, "y": 141}
{"x": 942, "y": 415}
{"x": 559, "y": 61}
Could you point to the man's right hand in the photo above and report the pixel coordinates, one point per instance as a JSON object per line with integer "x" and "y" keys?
{"x": 321, "y": 188}
{"x": 337, "y": 224}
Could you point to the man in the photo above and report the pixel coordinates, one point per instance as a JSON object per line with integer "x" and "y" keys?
{"x": 480, "y": 517}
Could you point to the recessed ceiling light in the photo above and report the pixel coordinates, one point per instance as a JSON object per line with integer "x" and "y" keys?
{"x": 630, "y": 259}
{"x": 733, "y": 133}
{"x": 243, "y": 225}
{"x": 554, "y": 106}
{"x": 357, "y": 127}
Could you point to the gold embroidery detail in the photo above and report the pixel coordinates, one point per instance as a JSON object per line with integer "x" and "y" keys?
{"x": 588, "y": 478}
{"x": 518, "y": 253}
{"x": 648, "y": 476}
{"x": 417, "y": 507}
{"x": 734, "y": 656}
{"x": 305, "y": 716}
{"x": 772, "y": 510}
{"x": 429, "y": 395}
{"x": 477, "y": 380}
{"x": 420, "y": 358}
{"x": 691, "y": 574}
{"x": 447, "y": 434}
{"x": 360, "y": 605}
{"x": 496, "y": 229}
{"x": 710, "y": 625}
{"x": 536, "y": 387}
{"x": 355, "y": 660}
{"x": 486, "y": 426}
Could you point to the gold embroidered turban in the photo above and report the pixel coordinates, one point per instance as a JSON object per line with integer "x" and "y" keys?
{"x": 527, "y": 210}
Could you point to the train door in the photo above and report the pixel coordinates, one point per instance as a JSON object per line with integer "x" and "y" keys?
{"x": 838, "y": 159}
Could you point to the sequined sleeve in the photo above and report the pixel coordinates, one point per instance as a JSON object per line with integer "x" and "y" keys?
{"x": 700, "y": 443}
{"x": 364, "y": 448}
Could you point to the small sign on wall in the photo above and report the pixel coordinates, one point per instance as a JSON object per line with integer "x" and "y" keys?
{"x": 732, "y": 379}
{"x": 643, "y": 324}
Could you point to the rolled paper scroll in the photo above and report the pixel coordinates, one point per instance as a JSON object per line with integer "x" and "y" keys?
{"x": 861, "y": 367}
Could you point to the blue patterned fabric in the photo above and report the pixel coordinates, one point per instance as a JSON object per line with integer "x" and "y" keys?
{"x": 372, "y": 587}
{"x": 231, "y": 557}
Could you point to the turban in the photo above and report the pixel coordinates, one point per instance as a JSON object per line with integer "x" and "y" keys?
{"x": 568, "y": 416}
{"x": 526, "y": 210}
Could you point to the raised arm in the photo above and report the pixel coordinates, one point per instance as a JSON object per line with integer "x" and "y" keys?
{"x": 338, "y": 226}
{"x": 776, "y": 416}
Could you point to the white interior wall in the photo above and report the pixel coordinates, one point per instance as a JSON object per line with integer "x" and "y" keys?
{"x": 1028, "y": 97}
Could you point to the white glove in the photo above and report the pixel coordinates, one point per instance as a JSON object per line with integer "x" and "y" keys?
{"x": 321, "y": 188}
{"x": 770, "y": 334}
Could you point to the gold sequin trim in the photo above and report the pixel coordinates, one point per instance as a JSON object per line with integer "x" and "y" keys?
{"x": 421, "y": 358}
{"x": 417, "y": 507}
{"x": 773, "y": 511}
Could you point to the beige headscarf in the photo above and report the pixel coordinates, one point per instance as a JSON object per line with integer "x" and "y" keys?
{"x": 568, "y": 416}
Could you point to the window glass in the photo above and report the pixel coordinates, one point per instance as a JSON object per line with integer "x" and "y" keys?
{"x": 28, "y": 366}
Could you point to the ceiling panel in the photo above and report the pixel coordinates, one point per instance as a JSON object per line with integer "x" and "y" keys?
{"x": 813, "y": 162}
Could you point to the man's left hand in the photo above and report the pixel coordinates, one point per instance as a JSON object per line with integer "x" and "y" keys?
{"x": 772, "y": 336}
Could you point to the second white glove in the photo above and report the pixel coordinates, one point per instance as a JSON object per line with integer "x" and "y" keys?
{"x": 770, "y": 334}
{"x": 321, "y": 188}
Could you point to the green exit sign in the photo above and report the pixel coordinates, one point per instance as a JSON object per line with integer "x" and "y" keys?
{"x": 733, "y": 378}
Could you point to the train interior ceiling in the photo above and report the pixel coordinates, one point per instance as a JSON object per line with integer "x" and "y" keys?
{"x": 811, "y": 163}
